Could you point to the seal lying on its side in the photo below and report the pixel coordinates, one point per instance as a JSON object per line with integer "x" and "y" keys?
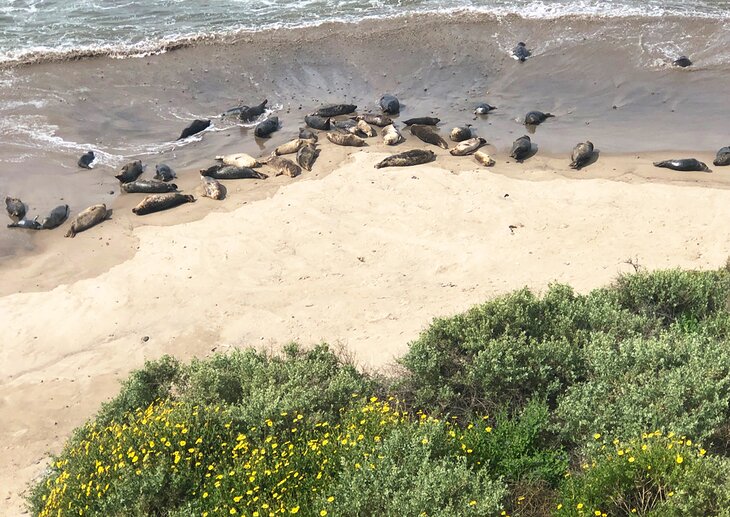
{"x": 375, "y": 120}
{"x": 196, "y": 127}
{"x": 306, "y": 156}
{"x": 249, "y": 113}
{"x": 534, "y": 118}
{"x": 334, "y": 110}
{"x": 15, "y": 208}
{"x": 158, "y": 202}
{"x": 239, "y": 160}
{"x": 317, "y": 122}
{"x": 365, "y": 128}
{"x": 389, "y": 104}
{"x": 307, "y": 134}
{"x": 164, "y": 172}
{"x": 484, "y": 158}
{"x": 467, "y": 146}
{"x": 391, "y": 135}
{"x": 723, "y": 157}
{"x": 427, "y": 135}
{"x": 283, "y": 166}
{"x": 520, "y": 52}
{"x": 483, "y": 108}
{"x": 56, "y": 218}
{"x": 412, "y": 157}
{"x": 130, "y": 171}
{"x": 152, "y": 186}
{"x": 264, "y": 128}
{"x": 212, "y": 188}
{"x": 345, "y": 139}
{"x": 422, "y": 121}
{"x": 521, "y": 148}
{"x": 582, "y": 154}
{"x": 87, "y": 218}
{"x": 684, "y": 164}
{"x": 27, "y": 224}
{"x": 85, "y": 162}
{"x": 290, "y": 147}
{"x": 231, "y": 172}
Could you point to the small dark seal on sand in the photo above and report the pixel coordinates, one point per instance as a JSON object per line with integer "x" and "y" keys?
{"x": 231, "y": 172}
{"x": 723, "y": 157}
{"x": 266, "y": 127}
{"x": 412, "y": 157}
{"x": 196, "y": 127}
{"x": 306, "y": 156}
{"x": 249, "y": 113}
{"x": 521, "y": 148}
{"x": 130, "y": 172}
{"x": 152, "y": 186}
{"x": 389, "y": 104}
{"x": 317, "y": 122}
{"x": 422, "y": 121}
{"x": 15, "y": 208}
{"x": 426, "y": 134}
{"x": 334, "y": 110}
{"x": 534, "y": 118}
{"x": 483, "y": 108}
{"x": 56, "y": 218}
{"x": 682, "y": 61}
{"x": 86, "y": 160}
{"x": 683, "y": 164}
{"x": 582, "y": 154}
{"x": 520, "y": 52}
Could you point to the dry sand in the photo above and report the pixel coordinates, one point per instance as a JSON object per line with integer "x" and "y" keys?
{"x": 360, "y": 257}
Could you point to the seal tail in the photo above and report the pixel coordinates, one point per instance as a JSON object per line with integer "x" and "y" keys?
{"x": 71, "y": 232}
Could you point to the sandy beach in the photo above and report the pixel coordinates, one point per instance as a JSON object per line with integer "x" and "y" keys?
{"x": 346, "y": 254}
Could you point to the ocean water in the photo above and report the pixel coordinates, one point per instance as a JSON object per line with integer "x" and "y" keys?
{"x": 33, "y": 30}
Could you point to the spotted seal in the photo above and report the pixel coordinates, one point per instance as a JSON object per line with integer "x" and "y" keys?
{"x": 56, "y": 218}
{"x": 130, "y": 171}
{"x": 307, "y": 155}
{"x": 213, "y": 188}
{"x": 535, "y": 118}
{"x": 426, "y": 134}
{"x": 389, "y": 104}
{"x": 683, "y": 164}
{"x": 15, "y": 208}
{"x": 391, "y": 135}
{"x": 345, "y": 139}
{"x": 461, "y": 133}
{"x": 521, "y": 148}
{"x": 87, "y": 218}
{"x": 582, "y": 154}
{"x": 723, "y": 157}
{"x": 412, "y": 157}
{"x": 467, "y": 146}
{"x": 163, "y": 172}
{"x": 231, "y": 172}
{"x": 153, "y": 186}
{"x": 335, "y": 110}
{"x": 158, "y": 202}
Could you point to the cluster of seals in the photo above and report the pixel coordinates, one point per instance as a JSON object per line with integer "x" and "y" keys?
{"x": 16, "y": 210}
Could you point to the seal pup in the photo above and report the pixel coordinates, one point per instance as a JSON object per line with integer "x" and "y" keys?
{"x": 520, "y": 52}
{"x": 375, "y": 120}
{"x": 467, "y": 146}
{"x": 15, "y": 208}
{"x": 521, "y": 148}
{"x": 307, "y": 134}
{"x": 87, "y": 159}
{"x": 484, "y": 158}
{"x": 535, "y": 118}
{"x": 140, "y": 186}
{"x": 334, "y": 110}
{"x": 422, "y": 121}
{"x": 158, "y": 202}
{"x": 345, "y": 139}
{"x": 239, "y": 160}
{"x": 27, "y": 224}
{"x": 284, "y": 166}
{"x": 163, "y": 172}
{"x": 723, "y": 157}
{"x": 317, "y": 122}
{"x": 213, "y": 188}
{"x": 459, "y": 134}
{"x": 582, "y": 154}
{"x": 684, "y": 164}
{"x": 249, "y": 113}
{"x": 389, "y": 104}
{"x": 391, "y": 135}
{"x": 682, "y": 61}
{"x": 290, "y": 147}
{"x": 427, "y": 135}
{"x": 366, "y": 128}
{"x": 264, "y": 128}
{"x": 483, "y": 108}
{"x": 412, "y": 157}
{"x": 130, "y": 171}
{"x": 87, "y": 218}
{"x": 56, "y": 218}
{"x": 195, "y": 127}
{"x": 231, "y": 172}
{"x": 307, "y": 155}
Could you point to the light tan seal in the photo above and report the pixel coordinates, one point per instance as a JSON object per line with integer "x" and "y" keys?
{"x": 239, "y": 160}
{"x": 87, "y": 218}
{"x": 345, "y": 139}
{"x": 484, "y": 158}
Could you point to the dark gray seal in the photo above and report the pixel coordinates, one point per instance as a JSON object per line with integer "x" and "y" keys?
{"x": 582, "y": 154}
{"x": 159, "y": 202}
{"x": 520, "y": 52}
{"x": 461, "y": 133}
{"x": 682, "y": 61}
{"x": 375, "y": 120}
{"x": 140, "y": 186}
{"x": 335, "y": 110}
{"x": 521, "y": 148}
{"x": 249, "y": 113}
{"x": 87, "y": 218}
{"x": 307, "y": 134}
{"x": 130, "y": 171}
{"x": 483, "y": 108}
{"x": 164, "y": 172}
{"x": 15, "y": 208}
{"x": 27, "y": 224}
{"x": 389, "y": 104}
{"x": 723, "y": 157}
{"x": 86, "y": 159}
{"x": 345, "y": 139}
{"x": 231, "y": 172}
{"x": 264, "y": 128}
{"x": 426, "y": 134}
{"x": 306, "y": 156}
{"x": 412, "y": 157}
{"x": 683, "y": 164}
{"x": 422, "y": 121}
{"x": 196, "y": 127}
{"x": 56, "y": 218}
{"x": 534, "y": 118}
{"x": 317, "y": 122}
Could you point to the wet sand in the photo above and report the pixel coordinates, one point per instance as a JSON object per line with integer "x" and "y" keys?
{"x": 346, "y": 254}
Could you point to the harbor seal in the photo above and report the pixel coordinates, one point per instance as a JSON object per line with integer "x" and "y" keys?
{"x": 412, "y": 157}
{"x": 521, "y": 148}
{"x": 422, "y": 121}
{"x": 461, "y": 133}
{"x": 335, "y": 110}
{"x": 130, "y": 171}
{"x": 239, "y": 160}
{"x": 26, "y": 224}
{"x": 483, "y": 108}
{"x": 535, "y": 118}
{"x": 290, "y": 147}
{"x": 391, "y": 135}
{"x": 163, "y": 172}
{"x": 264, "y": 128}
{"x": 375, "y": 120}
{"x": 284, "y": 166}
{"x": 723, "y": 157}
{"x": 15, "y": 208}
{"x": 345, "y": 139}
{"x": 682, "y": 61}
{"x": 86, "y": 160}
{"x": 484, "y": 158}
{"x": 307, "y": 155}
{"x": 389, "y": 104}
{"x": 426, "y": 134}
{"x": 467, "y": 146}
{"x": 231, "y": 172}
{"x": 520, "y": 52}
{"x": 683, "y": 164}
{"x": 365, "y": 128}
{"x": 159, "y": 202}
{"x": 87, "y": 218}
{"x": 249, "y": 113}
{"x": 56, "y": 218}
{"x": 213, "y": 188}
{"x": 317, "y": 122}
{"x": 140, "y": 186}
{"x": 195, "y": 127}
{"x": 582, "y": 154}
{"x": 349, "y": 126}
{"x": 307, "y": 134}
